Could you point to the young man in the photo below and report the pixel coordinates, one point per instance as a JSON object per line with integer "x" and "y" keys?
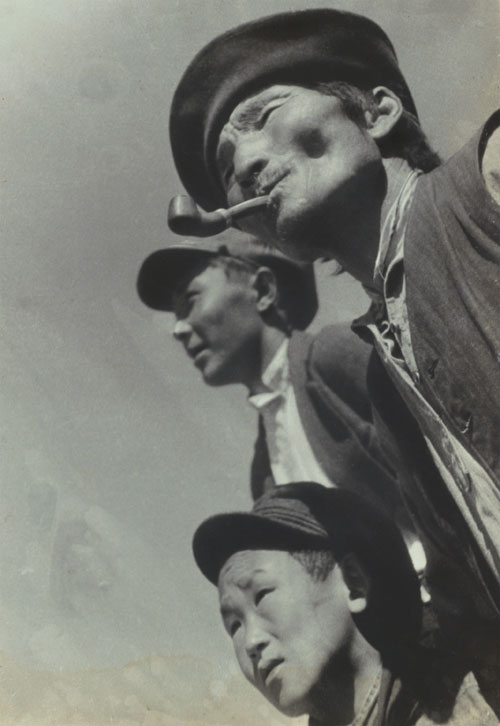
{"x": 311, "y": 109}
{"x": 321, "y": 602}
{"x": 241, "y": 310}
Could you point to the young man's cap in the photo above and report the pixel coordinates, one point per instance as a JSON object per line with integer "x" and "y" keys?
{"x": 163, "y": 270}
{"x": 307, "y": 516}
{"x": 300, "y": 48}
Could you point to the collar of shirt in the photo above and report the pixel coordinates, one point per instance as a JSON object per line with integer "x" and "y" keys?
{"x": 389, "y": 256}
{"x": 275, "y": 379}
{"x": 390, "y": 248}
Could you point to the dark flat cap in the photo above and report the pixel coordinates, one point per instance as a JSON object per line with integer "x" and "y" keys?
{"x": 300, "y": 48}
{"x": 164, "y": 269}
{"x": 308, "y": 516}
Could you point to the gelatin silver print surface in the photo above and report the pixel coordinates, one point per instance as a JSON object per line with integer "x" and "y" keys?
{"x": 250, "y": 352}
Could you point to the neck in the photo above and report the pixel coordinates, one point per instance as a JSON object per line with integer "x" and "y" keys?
{"x": 343, "y": 692}
{"x": 356, "y": 245}
{"x": 272, "y": 338}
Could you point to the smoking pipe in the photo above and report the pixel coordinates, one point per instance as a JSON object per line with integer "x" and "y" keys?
{"x": 186, "y": 218}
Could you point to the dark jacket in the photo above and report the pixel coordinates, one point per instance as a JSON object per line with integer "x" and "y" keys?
{"x": 452, "y": 270}
{"x": 328, "y": 372}
{"x": 434, "y": 690}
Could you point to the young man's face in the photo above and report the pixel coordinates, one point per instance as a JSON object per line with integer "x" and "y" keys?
{"x": 286, "y": 628}
{"x": 219, "y": 324}
{"x": 317, "y": 166}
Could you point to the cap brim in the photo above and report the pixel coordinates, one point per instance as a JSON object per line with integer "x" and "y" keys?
{"x": 221, "y": 536}
{"x": 163, "y": 270}
{"x": 161, "y": 273}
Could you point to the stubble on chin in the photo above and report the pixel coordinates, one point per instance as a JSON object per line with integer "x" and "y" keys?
{"x": 304, "y": 238}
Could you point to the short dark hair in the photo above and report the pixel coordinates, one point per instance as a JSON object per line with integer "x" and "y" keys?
{"x": 406, "y": 140}
{"x": 317, "y": 563}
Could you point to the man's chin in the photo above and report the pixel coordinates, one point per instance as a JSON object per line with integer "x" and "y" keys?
{"x": 215, "y": 378}
{"x": 212, "y": 381}
{"x": 299, "y": 249}
{"x": 296, "y": 238}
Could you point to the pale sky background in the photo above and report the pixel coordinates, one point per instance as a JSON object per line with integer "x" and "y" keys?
{"x": 112, "y": 449}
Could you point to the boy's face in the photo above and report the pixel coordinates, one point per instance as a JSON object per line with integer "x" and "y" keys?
{"x": 298, "y": 146}
{"x": 219, "y": 324}
{"x": 287, "y": 628}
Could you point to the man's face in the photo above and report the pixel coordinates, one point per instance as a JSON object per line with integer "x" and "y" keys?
{"x": 298, "y": 146}
{"x": 286, "y": 628}
{"x": 219, "y": 324}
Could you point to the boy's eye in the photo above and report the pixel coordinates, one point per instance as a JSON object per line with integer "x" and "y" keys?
{"x": 261, "y": 594}
{"x": 190, "y": 300}
{"x": 234, "y": 627}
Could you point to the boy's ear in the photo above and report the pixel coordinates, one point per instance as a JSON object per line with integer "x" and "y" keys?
{"x": 266, "y": 288}
{"x": 389, "y": 110}
{"x": 357, "y": 582}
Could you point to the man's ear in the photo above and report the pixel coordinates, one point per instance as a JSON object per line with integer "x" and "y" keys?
{"x": 389, "y": 110}
{"x": 266, "y": 288}
{"x": 357, "y": 582}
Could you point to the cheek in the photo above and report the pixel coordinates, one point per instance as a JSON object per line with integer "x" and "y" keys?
{"x": 212, "y": 313}
{"x": 312, "y": 142}
{"x": 244, "y": 661}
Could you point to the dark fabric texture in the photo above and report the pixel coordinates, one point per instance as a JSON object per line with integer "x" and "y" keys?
{"x": 427, "y": 688}
{"x": 452, "y": 270}
{"x": 328, "y": 372}
{"x": 452, "y": 267}
{"x": 456, "y": 573}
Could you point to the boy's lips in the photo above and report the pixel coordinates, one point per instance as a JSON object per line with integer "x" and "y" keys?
{"x": 267, "y": 670}
{"x": 196, "y": 352}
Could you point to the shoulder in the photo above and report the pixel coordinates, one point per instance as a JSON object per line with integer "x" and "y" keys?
{"x": 465, "y": 706}
{"x": 489, "y": 152}
{"x": 456, "y": 210}
{"x": 472, "y": 174}
{"x": 336, "y": 362}
{"x": 337, "y": 347}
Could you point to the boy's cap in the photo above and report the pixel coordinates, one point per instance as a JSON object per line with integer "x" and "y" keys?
{"x": 307, "y": 516}
{"x": 163, "y": 270}
{"x": 300, "y": 48}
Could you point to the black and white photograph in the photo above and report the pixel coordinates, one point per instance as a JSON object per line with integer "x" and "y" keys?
{"x": 250, "y": 363}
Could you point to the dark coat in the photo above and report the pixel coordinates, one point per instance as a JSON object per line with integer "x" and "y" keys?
{"x": 328, "y": 372}
{"x": 452, "y": 269}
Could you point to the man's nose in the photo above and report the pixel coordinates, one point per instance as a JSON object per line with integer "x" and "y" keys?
{"x": 182, "y": 329}
{"x": 249, "y": 160}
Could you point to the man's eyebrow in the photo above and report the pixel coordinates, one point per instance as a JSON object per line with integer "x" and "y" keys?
{"x": 248, "y": 113}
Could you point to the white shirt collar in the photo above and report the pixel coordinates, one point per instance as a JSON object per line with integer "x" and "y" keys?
{"x": 275, "y": 378}
{"x": 390, "y": 246}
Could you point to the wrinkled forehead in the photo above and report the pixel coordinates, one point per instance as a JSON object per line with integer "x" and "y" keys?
{"x": 242, "y": 567}
{"x": 246, "y": 113}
